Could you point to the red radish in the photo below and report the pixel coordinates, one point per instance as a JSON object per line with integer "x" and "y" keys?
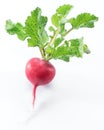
{"x": 51, "y": 46}
{"x": 39, "y": 72}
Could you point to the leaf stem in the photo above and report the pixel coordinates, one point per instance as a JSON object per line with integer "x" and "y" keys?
{"x": 68, "y": 32}
{"x": 49, "y": 58}
{"x": 42, "y": 51}
{"x": 54, "y": 37}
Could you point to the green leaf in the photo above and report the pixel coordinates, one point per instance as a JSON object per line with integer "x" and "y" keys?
{"x": 86, "y": 49}
{"x": 10, "y": 27}
{"x": 65, "y": 58}
{"x": 56, "y": 20}
{"x": 64, "y": 9}
{"x": 49, "y": 50}
{"x": 35, "y": 28}
{"x": 76, "y": 47}
{"x": 62, "y": 29}
{"x": 59, "y": 17}
{"x": 83, "y": 20}
{"x": 73, "y": 47}
{"x": 17, "y": 29}
{"x": 58, "y": 41}
{"x": 51, "y": 29}
{"x": 62, "y": 52}
{"x": 54, "y": 45}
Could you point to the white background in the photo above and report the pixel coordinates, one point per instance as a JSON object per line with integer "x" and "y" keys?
{"x": 75, "y": 99}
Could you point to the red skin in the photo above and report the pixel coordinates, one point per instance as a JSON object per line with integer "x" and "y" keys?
{"x": 39, "y": 72}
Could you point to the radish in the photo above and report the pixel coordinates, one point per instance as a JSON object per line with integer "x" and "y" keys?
{"x": 39, "y": 72}
{"x": 52, "y": 44}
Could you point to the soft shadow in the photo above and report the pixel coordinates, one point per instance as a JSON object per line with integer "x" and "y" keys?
{"x": 55, "y": 98}
{"x": 38, "y": 110}
{"x": 43, "y": 106}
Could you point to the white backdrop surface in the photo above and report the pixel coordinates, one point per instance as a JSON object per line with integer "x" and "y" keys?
{"x": 75, "y": 98}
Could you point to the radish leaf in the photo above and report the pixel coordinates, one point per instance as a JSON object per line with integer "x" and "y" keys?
{"x": 34, "y": 26}
{"x": 54, "y": 45}
{"x": 17, "y": 28}
{"x": 60, "y": 16}
{"x": 83, "y": 20}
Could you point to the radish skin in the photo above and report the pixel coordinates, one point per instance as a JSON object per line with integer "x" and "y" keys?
{"x": 34, "y": 94}
{"x": 39, "y": 72}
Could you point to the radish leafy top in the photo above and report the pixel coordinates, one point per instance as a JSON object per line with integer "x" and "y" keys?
{"x": 53, "y": 45}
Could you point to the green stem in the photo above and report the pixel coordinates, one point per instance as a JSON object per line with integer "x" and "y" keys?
{"x": 68, "y": 32}
{"x": 42, "y": 51}
{"x": 49, "y": 58}
{"x": 55, "y": 36}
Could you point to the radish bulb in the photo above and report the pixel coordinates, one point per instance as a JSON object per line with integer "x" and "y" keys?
{"x": 39, "y": 72}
